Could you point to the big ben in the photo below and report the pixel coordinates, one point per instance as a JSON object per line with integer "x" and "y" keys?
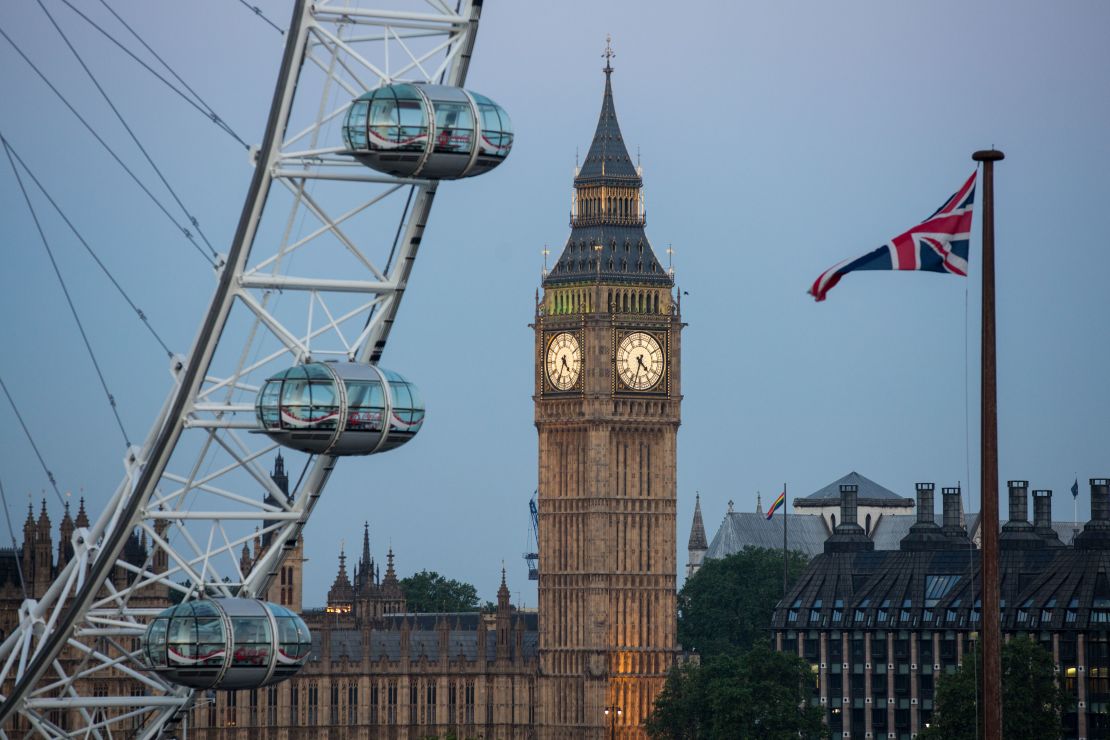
{"x": 607, "y": 401}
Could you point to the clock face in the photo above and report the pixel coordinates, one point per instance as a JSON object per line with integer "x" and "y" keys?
{"x": 564, "y": 361}
{"x": 640, "y": 361}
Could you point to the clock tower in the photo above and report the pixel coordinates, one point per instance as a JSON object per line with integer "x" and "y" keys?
{"x": 607, "y": 400}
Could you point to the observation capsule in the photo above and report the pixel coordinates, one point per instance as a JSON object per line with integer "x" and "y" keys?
{"x": 339, "y": 408}
{"x": 432, "y": 131}
{"x": 226, "y": 644}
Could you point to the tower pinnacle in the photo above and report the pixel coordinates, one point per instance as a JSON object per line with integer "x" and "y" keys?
{"x": 608, "y": 55}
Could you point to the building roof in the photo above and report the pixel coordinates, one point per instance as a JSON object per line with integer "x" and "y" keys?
{"x": 870, "y": 494}
{"x": 697, "y": 529}
{"x": 741, "y": 529}
{"x": 626, "y": 256}
{"x": 608, "y": 160}
{"x": 805, "y": 532}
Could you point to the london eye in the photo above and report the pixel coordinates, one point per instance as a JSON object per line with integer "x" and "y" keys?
{"x": 369, "y": 113}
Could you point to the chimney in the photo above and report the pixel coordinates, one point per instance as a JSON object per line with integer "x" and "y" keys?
{"x": 1100, "y": 500}
{"x": 925, "y": 534}
{"x": 952, "y": 526}
{"x": 848, "y": 535}
{"x": 1042, "y": 518}
{"x": 1096, "y": 532}
{"x": 1019, "y": 502}
{"x": 1017, "y": 533}
{"x": 925, "y": 504}
{"x": 849, "y": 504}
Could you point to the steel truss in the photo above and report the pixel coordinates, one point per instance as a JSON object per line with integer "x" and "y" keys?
{"x": 195, "y": 489}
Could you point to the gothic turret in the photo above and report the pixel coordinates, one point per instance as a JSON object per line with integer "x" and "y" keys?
{"x": 341, "y": 595}
{"x": 503, "y": 613}
{"x": 698, "y": 545}
{"x": 65, "y": 537}
{"x": 82, "y": 519}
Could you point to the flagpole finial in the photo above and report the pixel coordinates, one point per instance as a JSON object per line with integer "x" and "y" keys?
{"x": 988, "y": 155}
{"x": 608, "y": 55}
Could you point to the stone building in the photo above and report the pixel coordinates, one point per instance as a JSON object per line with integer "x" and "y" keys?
{"x": 879, "y": 626}
{"x": 607, "y": 403}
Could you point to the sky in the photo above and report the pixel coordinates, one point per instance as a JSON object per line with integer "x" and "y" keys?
{"x": 777, "y": 138}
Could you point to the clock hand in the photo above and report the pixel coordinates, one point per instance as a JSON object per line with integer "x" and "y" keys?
{"x": 640, "y": 359}
{"x": 564, "y": 359}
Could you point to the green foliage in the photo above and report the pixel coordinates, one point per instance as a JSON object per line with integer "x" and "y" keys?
{"x": 725, "y": 608}
{"x": 428, "y": 591}
{"x": 1032, "y": 703}
{"x": 760, "y": 694}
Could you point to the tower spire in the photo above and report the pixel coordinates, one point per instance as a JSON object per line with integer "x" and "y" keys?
{"x": 608, "y": 55}
{"x": 697, "y": 529}
{"x": 607, "y": 210}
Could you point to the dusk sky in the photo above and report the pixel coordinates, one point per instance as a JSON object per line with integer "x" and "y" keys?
{"x": 777, "y": 138}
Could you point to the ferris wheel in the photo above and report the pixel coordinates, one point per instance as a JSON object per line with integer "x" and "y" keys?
{"x": 368, "y": 115}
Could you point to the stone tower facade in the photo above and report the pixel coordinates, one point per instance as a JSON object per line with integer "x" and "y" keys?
{"x": 607, "y": 409}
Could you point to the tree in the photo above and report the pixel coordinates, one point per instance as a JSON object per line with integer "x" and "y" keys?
{"x": 760, "y": 694}
{"x": 1032, "y": 703}
{"x": 726, "y": 606}
{"x": 428, "y": 591}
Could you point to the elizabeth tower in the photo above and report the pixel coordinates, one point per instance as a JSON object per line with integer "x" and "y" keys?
{"x": 607, "y": 398}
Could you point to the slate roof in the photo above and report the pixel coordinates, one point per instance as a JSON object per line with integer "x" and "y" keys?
{"x": 741, "y": 529}
{"x": 608, "y": 160}
{"x": 626, "y": 257}
{"x": 870, "y": 493}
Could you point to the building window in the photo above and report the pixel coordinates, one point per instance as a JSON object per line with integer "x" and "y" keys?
{"x": 253, "y": 708}
{"x": 313, "y": 702}
{"x": 430, "y": 703}
{"x": 452, "y": 702}
{"x": 489, "y": 702}
{"x": 414, "y": 702}
{"x": 333, "y": 709}
{"x": 230, "y": 708}
{"x": 391, "y": 700}
{"x": 271, "y": 706}
{"x": 468, "y": 702}
{"x": 374, "y": 699}
{"x": 294, "y": 702}
{"x": 352, "y": 703}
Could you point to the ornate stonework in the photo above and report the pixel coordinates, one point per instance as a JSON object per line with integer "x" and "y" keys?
{"x": 607, "y": 457}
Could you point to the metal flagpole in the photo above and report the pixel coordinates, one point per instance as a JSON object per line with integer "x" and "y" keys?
{"x": 992, "y": 662}
{"x": 785, "y": 518}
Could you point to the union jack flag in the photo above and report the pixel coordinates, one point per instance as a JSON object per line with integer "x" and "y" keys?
{"x": 937, "y": 244}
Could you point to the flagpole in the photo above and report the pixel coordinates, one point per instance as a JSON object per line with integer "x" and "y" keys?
{"x": 988, "y": 491}
{"x": 785, "y": 519}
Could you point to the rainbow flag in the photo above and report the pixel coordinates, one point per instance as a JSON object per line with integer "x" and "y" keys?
{"x": 779, "y": 502}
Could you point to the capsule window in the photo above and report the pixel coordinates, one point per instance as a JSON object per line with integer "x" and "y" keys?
{"x": 252, "y": 641}
{"x": 354, "y": 131}
{"x": 454, "y": 127}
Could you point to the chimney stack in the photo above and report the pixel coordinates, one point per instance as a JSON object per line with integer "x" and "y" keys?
{"x": 951, "y": 499}
{"x": 849, "y": 504}
{"x": 1018, "y": 533}
{"x": 1100, "y": 500}
{"x": 1096, "y": 532}
{"x": 1042, "y": 518}
{"x": 925, "y": 534}
{"x": 848, "y": 535}
{"x": 925, "y": 503}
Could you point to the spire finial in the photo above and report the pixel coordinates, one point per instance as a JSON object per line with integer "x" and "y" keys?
{"x": 608, "y": 54}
